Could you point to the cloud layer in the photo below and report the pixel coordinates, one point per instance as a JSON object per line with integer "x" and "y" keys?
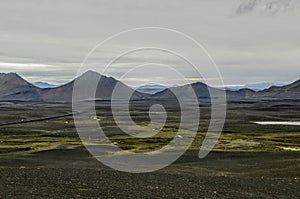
{"x": 250, "y": 40}
{"x": 264, "y": 6}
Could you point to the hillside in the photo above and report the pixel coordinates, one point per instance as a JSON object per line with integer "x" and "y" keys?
{"x": 104, "y": 91}
{"x": 290, "y": 91}
{"x": 287, "y": 92}
{"x": 200, "y": 89}
{"x": 15, "y": 88}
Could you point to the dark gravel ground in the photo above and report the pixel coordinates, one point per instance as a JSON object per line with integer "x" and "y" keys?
{"x": 75, "y": 174}
{"x": 89, "y": 183}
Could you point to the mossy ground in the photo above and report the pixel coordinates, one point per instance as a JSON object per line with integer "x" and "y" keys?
{"x": 239, "y": 133}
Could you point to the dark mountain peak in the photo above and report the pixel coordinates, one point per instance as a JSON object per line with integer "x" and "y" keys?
{"x": 200, "y": 85}
{"x": 294, "y": 87}
{"x": 201, "y": 91}
{"x": 84, "y": 83}
{"x": 297, "y": 82}
{"x": 91, "y": 73}
{"x": 2, "y": 74}
{"x": 10, "y": 75}
{"x": 13, "y": 79}
{"x": 88, "y": 75}
{"x": 14, "y": 87}
{"x": 92, "y": 77}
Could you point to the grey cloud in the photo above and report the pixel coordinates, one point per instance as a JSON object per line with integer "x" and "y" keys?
{"x": 263, "y": 6}
{"x": 246, "y": 6}
{"x": 61, "y": 33}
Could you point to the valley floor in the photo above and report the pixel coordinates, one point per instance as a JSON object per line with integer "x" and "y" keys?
{"x": 46, "y": 159}
{"x": 75, "y": 174}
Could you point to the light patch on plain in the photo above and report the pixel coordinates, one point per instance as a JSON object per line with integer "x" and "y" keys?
{"x": 290, "y": 149}
{"x": 294, "y": 123}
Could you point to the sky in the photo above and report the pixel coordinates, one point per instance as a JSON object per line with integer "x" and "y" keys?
{"x": 249, "y": 40}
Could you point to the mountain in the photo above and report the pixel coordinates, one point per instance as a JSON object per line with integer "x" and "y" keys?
{"x": 44, "y": 85}
{"x": 15, "y": 88}
{"x": 287, "y": 92}
{"x": 183, "y": 92}
{"x": 150, "y": 89}
{"x": 104, "y": 91}
{"x": 290, "y": 91}
{"x": 202, "y": 92}
{"x": 242, "y": 94}
{"x": 255, "y": 87}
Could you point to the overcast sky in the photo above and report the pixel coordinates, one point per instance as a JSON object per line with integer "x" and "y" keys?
{"x": 250, "y": 40}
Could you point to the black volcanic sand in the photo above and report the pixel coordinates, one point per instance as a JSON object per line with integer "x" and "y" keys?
{"x": 45, "y": 159}
{"x": 75, "y": 174}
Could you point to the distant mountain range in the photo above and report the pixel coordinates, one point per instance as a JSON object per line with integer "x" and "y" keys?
{"x": 150, "y": 89}
{"x": 154, "y": 88}
{"x": 255, "y": 87}
{"x": 44, "y": 85}
{"x": 15, "y": 88}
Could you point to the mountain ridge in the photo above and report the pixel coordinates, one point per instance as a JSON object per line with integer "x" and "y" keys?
{"x": 14, "y": 88}
{"x": 150, "y": 88}
{"x": 64, "y": 93}
{"x": 44, "y": 85}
